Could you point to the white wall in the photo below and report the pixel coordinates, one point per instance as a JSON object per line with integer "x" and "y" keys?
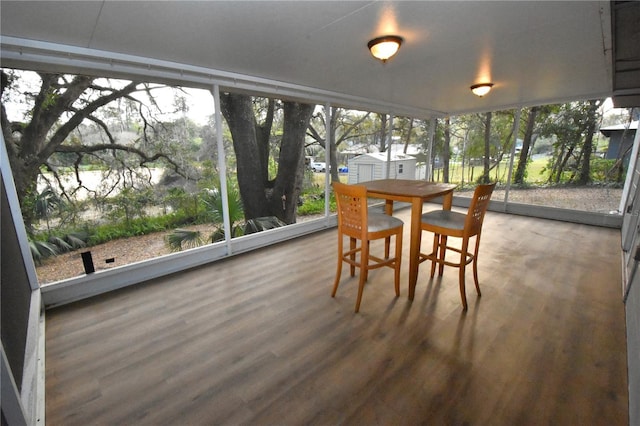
{"x": 365, "y": 168}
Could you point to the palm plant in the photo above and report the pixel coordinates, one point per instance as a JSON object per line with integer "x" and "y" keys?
{"x": 70, "y": 241}
{"x": 184, "y": 239}
{"x": 46, "y": 202}
{"x": 213, "y": 202}
{"x": 40, "y": 250}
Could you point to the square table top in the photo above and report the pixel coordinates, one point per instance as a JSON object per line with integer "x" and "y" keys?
{"x": 408, "y": 188}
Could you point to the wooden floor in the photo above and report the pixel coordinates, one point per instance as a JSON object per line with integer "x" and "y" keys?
{"x": 257, "y": 340}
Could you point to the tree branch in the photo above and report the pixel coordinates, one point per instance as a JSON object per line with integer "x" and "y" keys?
{"x": 63, "y": 131}
{"x": 130, "y": 149}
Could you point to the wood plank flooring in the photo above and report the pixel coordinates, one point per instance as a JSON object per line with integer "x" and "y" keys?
{"x": 257, "y": 340}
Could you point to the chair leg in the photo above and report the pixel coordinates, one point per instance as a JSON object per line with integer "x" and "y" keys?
{"x": 463, "y": 264}
{"x": 364, "y": 271}
{"x": 352, "y": 246}
{"x": 387, "y": 245}
{"x": 475, "y": 277}
{"x": 441, "y": 254}
{"x": 360, "y": 291}
{"x": 475, "y": 266}
{"x": 339, "y": 268}
{"x": 397, "y": 262}
{"x": 364, "y": 260}
{"x": 434, "y": 252}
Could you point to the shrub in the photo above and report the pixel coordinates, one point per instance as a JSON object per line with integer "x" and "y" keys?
{"x": 600, "y": 170}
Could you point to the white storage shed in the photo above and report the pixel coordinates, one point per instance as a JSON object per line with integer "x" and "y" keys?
{"x": 373, "y": 166}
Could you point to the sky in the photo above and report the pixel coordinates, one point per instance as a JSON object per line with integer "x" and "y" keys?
{"x": 199, "y": 101}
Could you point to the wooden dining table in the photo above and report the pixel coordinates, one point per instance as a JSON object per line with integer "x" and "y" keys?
{"x": 415, "y": 192}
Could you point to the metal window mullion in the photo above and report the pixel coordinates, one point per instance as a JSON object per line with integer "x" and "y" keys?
{"x": 389, "y": 140}
{"x": 327, "y": 158}
{"x": 222, "y": 166}
{"x": 516, "y": 130}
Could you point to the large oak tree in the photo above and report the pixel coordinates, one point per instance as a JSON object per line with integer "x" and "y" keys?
{"x": 60, "y": 105}
{"x": 262, "y": 196}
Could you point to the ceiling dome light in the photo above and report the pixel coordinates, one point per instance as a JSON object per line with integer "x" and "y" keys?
{"x": 384, "y": 47}
{"x": 481, "y": 89}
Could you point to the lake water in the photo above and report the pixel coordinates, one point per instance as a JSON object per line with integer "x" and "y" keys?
{"x": 100, "y": 181}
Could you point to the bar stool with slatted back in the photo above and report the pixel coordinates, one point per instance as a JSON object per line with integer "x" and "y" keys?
{"x": 356, "y": 223}
{"x": 446, "y": 223}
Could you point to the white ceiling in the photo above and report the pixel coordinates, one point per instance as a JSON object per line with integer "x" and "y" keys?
{"x": 534, "y": 52}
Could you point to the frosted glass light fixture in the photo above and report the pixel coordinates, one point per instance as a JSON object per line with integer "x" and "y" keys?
{"x": 384, "y": 47}
{"x": 481, "y": 89}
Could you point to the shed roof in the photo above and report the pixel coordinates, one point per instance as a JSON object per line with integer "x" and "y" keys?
{"x": 382, "y": 157}
{"x": 619, "y": 127}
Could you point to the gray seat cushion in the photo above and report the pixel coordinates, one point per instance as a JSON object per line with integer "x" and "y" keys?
{"x": 380, "y": 222}
{"x": 445, "y": 218}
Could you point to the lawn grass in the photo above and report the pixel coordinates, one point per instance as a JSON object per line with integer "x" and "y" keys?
{"x": 536, "y": 173}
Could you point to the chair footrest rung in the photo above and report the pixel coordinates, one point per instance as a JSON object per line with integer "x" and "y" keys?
{"x": 433, "y": 256}
{"x": 377, "y": 262}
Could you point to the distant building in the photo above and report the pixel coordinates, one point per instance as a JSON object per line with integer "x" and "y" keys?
{"x": 620, "y": 140}
{"x": 373, "y": 166}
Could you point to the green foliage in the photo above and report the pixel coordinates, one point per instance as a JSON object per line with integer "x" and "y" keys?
{"x": 40, "y": 250}
{"x": 272, "y": 167}
{"x": 57, "y": 244}
{"x": 129, "y": 204}
{"x": 182, "y": 202}
{"x": 61, "y": 243}
{"x": 262, "y": 224}
{"x": 184, "y": 239}
{"x": 139, "y": 226}
{"x": 601, "y": 170}
{"x": 213, "y": 201}
{"x": 43, "y": 205}
{"x": 313, "y": 202}
{"x": 77, "y": 239}
{"x": 311, "y": 205}
{"x": 46, "y": 202}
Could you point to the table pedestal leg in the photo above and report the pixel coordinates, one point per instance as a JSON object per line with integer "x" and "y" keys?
{"x": 388, "y": 209}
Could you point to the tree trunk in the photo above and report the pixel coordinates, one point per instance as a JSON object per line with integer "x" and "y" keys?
{"x": 333, "y": 147}
{"x": 261, "y": 197}
{"x": 407, "y": 137}
{"x": 288, "y": 182}
{"x": 526, "y": 146}
{"x": 487, "y": 148}
{"x": 564, "y": 159}
{"x": 383, "y": 132}
{"x": 585, "y": 170}
{"x": 263, "y": 134}
{"x": 238, "y": 112}
{"x": 446, "y": 151}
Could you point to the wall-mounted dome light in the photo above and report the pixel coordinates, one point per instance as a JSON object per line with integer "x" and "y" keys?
{"x": 384, "y": 47}
{"x": 481, "y": 89}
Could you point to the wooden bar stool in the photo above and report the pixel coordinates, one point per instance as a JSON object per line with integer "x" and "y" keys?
{"x": 355, "y": 222}
{"x": 446, "y": 223}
